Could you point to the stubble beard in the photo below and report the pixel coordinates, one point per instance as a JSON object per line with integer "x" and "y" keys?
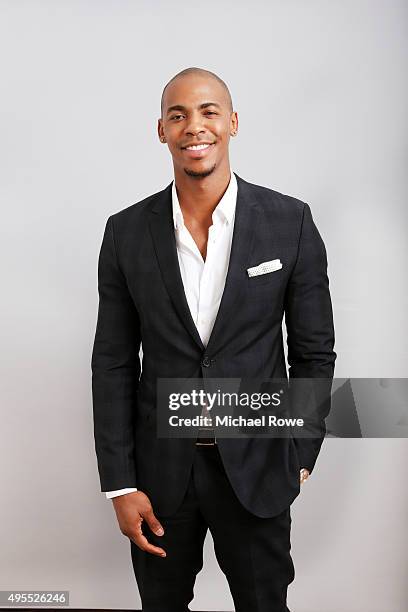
{"x": 200, "y": 175}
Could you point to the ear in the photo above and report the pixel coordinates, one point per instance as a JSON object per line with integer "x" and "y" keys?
{"x": 234, "y": 123}
{"x": 160, "y": 130}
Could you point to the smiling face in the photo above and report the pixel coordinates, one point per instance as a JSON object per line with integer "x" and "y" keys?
{"x": 197, "y": 122}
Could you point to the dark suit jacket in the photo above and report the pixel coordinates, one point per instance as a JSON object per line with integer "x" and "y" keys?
{"x": 142, "y": 300}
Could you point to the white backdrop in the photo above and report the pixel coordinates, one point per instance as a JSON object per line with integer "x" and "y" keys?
{"x": 321, "y": 95}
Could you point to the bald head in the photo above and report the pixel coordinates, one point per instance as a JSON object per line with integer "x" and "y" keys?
{"x": 201, "y": 73}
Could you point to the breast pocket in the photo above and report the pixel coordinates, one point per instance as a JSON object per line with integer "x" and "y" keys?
{"x": 267, "y": 278}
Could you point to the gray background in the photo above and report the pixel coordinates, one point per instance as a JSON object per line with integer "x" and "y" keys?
{"x": 321, "y": 94}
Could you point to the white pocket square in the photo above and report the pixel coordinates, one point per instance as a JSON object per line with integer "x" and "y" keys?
{"x": 265, "y": 267}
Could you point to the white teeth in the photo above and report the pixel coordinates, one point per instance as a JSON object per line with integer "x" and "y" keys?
{"x": 198, "y": 147}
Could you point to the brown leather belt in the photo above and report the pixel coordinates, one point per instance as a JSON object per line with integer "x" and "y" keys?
{"x": 206, "y": 438}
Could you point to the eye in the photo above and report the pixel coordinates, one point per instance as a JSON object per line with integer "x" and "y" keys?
{"x": 175, "y": 116}
{"x": 210, "y": 113}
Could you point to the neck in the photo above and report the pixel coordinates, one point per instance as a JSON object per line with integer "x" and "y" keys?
{"x": 199, "y": 197}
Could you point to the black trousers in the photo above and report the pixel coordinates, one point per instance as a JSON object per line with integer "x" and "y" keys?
{"x": 253, "y": 552}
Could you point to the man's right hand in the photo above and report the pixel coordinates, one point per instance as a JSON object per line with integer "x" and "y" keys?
{"x": 131, "y": 510}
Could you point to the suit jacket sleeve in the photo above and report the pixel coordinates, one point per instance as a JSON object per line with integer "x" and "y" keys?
{"x": 309, "y": 324}
{"x": 115, "y": 371}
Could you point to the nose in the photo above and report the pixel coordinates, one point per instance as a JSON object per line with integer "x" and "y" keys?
{"x": 194, "y": 125}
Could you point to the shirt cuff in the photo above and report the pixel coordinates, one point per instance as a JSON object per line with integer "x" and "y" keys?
{"x": 110, "y": 494}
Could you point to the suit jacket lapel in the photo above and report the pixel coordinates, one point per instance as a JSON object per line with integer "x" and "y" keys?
{"x": 246, "y": 221}
{"x": 162, "y": 230}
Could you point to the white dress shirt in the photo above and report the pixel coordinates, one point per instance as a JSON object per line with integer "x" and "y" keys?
{"x": 203, "y": 281}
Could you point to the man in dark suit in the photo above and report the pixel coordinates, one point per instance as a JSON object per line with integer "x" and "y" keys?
{"x": 200, "y": 275}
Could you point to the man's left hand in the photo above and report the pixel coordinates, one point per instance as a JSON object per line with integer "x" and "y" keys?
{"x": 304, "y": 475}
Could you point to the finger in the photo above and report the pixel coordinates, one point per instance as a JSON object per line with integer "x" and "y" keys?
{"x": 142, "y": 542}
{"x": 153, "y": 523}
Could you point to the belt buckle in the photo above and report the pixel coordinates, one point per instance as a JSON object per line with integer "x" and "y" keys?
{"x": 206, "y": 441}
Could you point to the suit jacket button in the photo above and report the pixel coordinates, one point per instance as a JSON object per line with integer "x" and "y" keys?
{"x": 206, "y": 362}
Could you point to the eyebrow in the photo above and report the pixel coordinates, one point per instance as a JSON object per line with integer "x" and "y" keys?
{"x": 183, "y": 108}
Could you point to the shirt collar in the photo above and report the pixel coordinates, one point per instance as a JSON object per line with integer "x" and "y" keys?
{"x": 225, "y": 209}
